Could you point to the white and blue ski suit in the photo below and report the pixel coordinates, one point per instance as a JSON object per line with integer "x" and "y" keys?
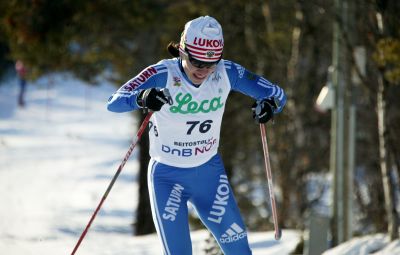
{"x": 185, "y": 165}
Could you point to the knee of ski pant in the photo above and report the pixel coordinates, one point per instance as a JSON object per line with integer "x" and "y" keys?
{"x": 236, "y": 249}
{"x": 181, "y": 249}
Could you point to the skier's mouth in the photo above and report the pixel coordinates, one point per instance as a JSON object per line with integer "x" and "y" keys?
{"x": 199, "y": 76}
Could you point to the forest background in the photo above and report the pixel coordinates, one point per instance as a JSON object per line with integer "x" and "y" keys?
{"x": 290, "y": 42}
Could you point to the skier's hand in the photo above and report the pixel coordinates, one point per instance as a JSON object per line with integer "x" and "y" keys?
{"x": 153, "y": 99}
{"x": 263, "y": 110}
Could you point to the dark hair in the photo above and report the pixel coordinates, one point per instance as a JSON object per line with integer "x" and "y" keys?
{"x": 173, "y": 49}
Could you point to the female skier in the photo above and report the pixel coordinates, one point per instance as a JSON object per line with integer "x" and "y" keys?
{"x": 185, "y": 133}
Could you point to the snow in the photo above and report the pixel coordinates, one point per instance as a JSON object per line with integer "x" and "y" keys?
{"x": 58, "y": 156}
{"x": 377, "y": 244}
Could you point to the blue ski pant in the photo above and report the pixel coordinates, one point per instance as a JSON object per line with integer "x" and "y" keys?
{"x": 207, "y": 188}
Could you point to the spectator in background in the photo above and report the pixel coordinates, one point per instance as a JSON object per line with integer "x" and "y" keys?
{"x": 21, "y": 72}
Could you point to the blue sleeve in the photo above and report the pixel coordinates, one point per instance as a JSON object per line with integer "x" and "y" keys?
{"x": 253, "y": 85}
{"x": 124, "y": 99}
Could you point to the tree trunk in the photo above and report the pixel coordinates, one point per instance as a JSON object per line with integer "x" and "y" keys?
{"x": 290, "y": 195}
{"x": 383, "y": 134}
{"x": 384, "y": 162}
{"x": 144, "y": 222}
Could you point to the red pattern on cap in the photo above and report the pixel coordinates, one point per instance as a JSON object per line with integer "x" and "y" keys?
{"x": 204, "y": 54}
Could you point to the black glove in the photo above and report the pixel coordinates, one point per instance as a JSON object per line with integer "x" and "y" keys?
{"x": 152, "y": 99}
{"x": 263, "y": 110}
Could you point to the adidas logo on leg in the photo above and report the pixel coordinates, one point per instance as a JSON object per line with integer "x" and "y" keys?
{"x": 233, "y": 234}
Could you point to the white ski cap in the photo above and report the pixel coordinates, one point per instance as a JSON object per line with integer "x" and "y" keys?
{"x": 203, "y": 39}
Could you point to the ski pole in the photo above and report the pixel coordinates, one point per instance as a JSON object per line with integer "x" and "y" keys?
{"x": 128, "y": 154}
{"x": 278, "y": 232}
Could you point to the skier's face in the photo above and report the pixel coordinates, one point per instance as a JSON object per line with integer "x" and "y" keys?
{"x": 196, "y": 73}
